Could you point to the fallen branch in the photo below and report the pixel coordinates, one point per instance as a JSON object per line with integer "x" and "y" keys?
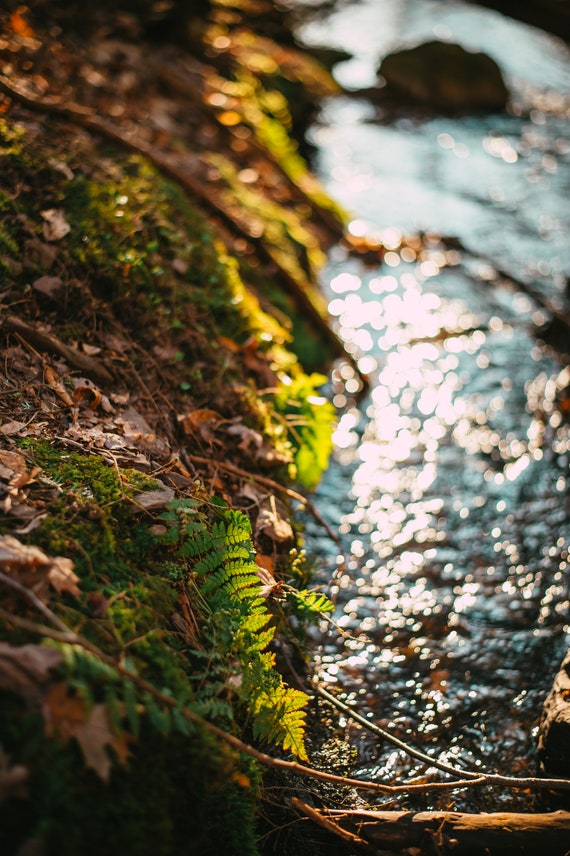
{"x": 51, "y": 345}
{"x": 326, "y": 822}
{"x": 457, "y": 832}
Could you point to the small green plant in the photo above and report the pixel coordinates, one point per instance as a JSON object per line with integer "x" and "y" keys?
{"x": 308, "y": 418}
{"x": 237, "y": 624}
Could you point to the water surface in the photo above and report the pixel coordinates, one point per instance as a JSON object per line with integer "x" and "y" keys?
{"x": 450, "y": 479}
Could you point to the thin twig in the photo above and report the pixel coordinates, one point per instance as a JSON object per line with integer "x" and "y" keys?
{"x": 46, "y": 342}
{"x": 391, "y": 738}
{"x": 264, "y": 480}
{"x": 326, "y": 823}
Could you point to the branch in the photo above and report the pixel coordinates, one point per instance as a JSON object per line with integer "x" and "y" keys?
{"x": 326, "y": 822}
{"x": 264, "y": 480}
{"x": 48, "y": 343}
{"x": 391, "y": 738}
{"x": 457, "y": 832}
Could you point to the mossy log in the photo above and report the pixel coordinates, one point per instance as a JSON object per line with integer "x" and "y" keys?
{"x": 455, "y": 832}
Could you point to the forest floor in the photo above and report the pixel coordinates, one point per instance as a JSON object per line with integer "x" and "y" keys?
{"x": 161, "y": 423}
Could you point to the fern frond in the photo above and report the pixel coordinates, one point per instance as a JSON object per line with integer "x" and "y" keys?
{"x": 280, "y": 718}
{"x": 312, "y": 601}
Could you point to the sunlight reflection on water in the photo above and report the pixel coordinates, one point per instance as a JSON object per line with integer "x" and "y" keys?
{"x": 450, "y": 479}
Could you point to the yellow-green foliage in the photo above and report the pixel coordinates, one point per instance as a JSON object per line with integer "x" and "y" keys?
{"x": 237, "y": 623}
{"x": 308, "y": 418}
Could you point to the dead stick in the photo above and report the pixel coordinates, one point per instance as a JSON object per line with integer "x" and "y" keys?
{"x": 326, "y": 823}
{"x": 459, "y": 832}
{"x": 48, "y": 343}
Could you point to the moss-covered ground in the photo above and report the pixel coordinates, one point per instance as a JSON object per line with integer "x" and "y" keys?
{"x": 158, "y": 402}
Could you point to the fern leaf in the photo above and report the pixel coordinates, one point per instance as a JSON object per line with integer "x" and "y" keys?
{"x": 313, "y": 601}
{"x": 280, "y": 718}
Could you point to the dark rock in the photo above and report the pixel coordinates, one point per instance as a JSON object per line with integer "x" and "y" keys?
{"x": 554, "y": 727}
{"x": 445, "y": 77}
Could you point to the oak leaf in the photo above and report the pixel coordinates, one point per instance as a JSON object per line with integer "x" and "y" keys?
{"x": 66, "y": 715}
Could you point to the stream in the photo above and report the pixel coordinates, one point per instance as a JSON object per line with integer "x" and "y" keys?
{"x": 450, "y": 479}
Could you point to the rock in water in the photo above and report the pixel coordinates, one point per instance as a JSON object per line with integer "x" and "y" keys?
{"x": 554, "y": 727}
{"x": 446, "y": 77}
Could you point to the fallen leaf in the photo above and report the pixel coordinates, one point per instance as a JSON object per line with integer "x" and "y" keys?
{"x": 55, "y": 226}
{"x": 270, "y": 523}
{"x": 65, "y": 715}
{"x": 11, "y": 428}
{"x": 33, "y": 569}
{"x": 138, "y": 432}
{"x": 53, "y": 381}
{"x": 93, "y": 736}
{"x": 11, "y": 463}
{"x": 202, "y": 422}
{"x": 48, "y": 285}
{"x": 62, "y": 578}
{"x": 265, "y": 574}
{"x": 194, "y": 420}
{"x": 87, "y": 396}
{"x": 25, "y": 668}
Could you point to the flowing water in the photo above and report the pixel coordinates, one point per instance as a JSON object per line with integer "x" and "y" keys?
{"x": 450, "y": 478}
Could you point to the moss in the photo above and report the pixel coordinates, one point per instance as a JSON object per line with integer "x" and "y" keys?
{"x": 156, "y": 286}
{"x": 162, "y": 803}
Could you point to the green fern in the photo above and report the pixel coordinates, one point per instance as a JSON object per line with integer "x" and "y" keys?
{"x": 237, "y": 625}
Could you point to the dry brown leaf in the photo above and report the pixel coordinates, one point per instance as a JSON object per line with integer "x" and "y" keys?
{"x": 33, "y": 569}
{"x": 265, "y": 574}
{"x": 53, "y": 381}
{"x": 48, "y": 285}
{"x": 197, "y": 419}
{"x": 55, "y": 225}
{"x": 138, "y": 432}
{"x": 25, "y": 668}
{"x": 11, "y": 428}
{"x": 11, "y": 463}
{"x": 270, "y": 523}
{"x": 93, "y": 736}
{"x": 66, "y": 716}
{"x": 62, "y": 578}
{"x": 14, "y": 471}
{"x": 90, "y": 350}
{"x": 87, "y": 396}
